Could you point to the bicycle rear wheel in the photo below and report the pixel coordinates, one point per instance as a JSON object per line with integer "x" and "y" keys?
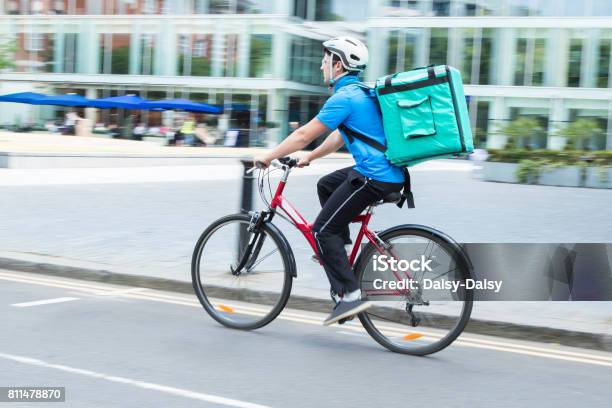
{"x": 246, "y": 297}
{"x": 433, "y": 306}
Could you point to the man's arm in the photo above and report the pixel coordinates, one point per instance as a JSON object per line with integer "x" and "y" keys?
{"x": 297, "y": 140}
{"x": 331, "y": 144}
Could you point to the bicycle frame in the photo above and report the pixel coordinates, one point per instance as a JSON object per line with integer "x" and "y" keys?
{"x": 280, "y": 202}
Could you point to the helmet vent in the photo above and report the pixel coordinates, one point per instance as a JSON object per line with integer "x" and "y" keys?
{"x": 349, "y": 41}
{"x": 356, "y": 58}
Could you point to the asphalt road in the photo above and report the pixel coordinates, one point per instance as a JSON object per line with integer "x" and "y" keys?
{"x": 125, "y": 347}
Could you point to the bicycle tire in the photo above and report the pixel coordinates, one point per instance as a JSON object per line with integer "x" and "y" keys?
{"x": 465, "y": 273}
{"x": 288, "y": 262}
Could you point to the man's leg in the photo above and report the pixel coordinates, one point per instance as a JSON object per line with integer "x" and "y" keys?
{"x": 327, "y": 185}
{"x": 348, "y": 200}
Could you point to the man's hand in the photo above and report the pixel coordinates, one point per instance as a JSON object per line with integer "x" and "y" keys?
{"x": 261, "y": 162}
{"x": 304, "y": 161}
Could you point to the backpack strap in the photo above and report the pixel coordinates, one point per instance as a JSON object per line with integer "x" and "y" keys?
{"x": 407, "y": 196}
{"x": 352, "y": 135}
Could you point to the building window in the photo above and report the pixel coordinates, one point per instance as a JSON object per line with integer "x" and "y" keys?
{"x": 34, "y": 52}
{"x": 468, "y": 54}
{"x": 260, "y": 65}
{"x": 482, "y": 124}
{"x": 476, "y": 7}
{"x": 521, "y": 52}
{"x": 405, "y": 8}
{"x": 230, "y": 57}
{"x": 34, "y": 42}
{"x": 530, "y": 54}
{"x": 575, "y": 59}
{"x": 323, "y": 11}
{"x": 147, "y": 54}
{"x": 12, "y": 7}
{"x": 401, "y": 51}
{"x": 539, "y": 54}
{"x": 440, "y": 8}
{"x": 522, "y": 8}
{"x": 115, "y": 53}
{"x": 223, "y": 6}
{"x": 149, "y": 7}
{"x": 305, "y": 60}
{"x": 70, "y": 53}
{"x": 46, "y": 55}
{"x": 300, "y": 9}
{"x": 602, "y": 8}
{"x": 194, "y": 57}
{"x": 438, "y": 46}
{"x": 486, "y": 54}
{"x": 603, "y": 65}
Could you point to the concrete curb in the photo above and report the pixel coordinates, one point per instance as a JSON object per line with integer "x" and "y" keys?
{"x": 595, "y": 341}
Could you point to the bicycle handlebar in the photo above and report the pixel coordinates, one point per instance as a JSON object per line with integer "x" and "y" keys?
{"x": 279, "y": 163}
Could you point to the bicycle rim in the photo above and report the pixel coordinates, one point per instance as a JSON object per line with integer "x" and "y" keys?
{"x": 252, "y": 297}
{"x": 423, "y": 319}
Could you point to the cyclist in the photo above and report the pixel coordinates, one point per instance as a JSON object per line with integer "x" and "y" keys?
{"x": 344, "y": 193}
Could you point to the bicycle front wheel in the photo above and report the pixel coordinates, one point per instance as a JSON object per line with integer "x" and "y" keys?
{"x": 418, "y": 286}
{"x": 240, "y": 291}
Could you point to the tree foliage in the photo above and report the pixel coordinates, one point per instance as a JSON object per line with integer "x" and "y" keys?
{"x": 580, "y": 132}
{"x": 8, "y": 47}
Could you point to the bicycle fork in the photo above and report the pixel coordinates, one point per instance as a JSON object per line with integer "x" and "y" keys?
{"x": 254, "y": 245}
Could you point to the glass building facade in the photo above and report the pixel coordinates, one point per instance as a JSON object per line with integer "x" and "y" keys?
{"x": 550, "y": 60}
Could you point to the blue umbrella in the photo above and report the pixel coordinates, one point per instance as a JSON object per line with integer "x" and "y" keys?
{"x": 125, "y": 101}
{"x": 182, "y": 104}
{"x": 239, "y": 107}
{"x": 23, "y": 97}
{"x": 70, "y": 99}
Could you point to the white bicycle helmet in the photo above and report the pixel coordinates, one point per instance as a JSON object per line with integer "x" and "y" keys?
{"x": 353, "y": 53}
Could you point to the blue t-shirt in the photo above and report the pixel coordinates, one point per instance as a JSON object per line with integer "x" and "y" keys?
{"x": 351, "y": 106}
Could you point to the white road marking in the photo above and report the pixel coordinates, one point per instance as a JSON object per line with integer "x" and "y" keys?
{"x": 45, "y": 302}
{"x": 121, "y": 292}
{"x": 135, "y": 383}
{"x": 349, "y": 333}
{"x": 312, "y": 319}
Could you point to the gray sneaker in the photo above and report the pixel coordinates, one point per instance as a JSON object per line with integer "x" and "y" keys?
{"x": 342, "y": 310}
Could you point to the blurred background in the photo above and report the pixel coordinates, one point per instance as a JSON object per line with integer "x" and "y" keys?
{"x": 536, "y": 72}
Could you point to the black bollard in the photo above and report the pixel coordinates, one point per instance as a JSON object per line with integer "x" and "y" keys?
{"x": 246, "y": 202}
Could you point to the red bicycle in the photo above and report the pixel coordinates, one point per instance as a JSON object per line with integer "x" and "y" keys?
{"x": 243, "y": 268}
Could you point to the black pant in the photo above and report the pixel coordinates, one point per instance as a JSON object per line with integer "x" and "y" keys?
{"x": 343, "y": 194}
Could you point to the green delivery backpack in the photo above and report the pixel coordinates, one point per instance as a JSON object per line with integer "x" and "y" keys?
{"x": 425, "y": 117}
{"x": 424, "y": 114}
